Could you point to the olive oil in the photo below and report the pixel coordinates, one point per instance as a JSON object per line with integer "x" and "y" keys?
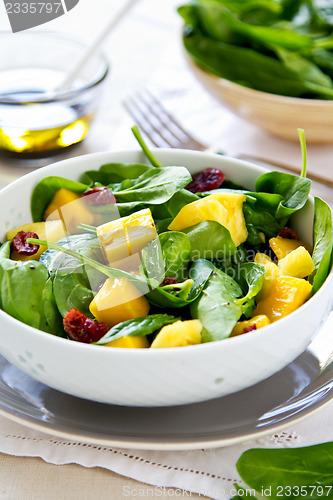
{"x": 22, "y": 140}
{"x": 31, "y": 124}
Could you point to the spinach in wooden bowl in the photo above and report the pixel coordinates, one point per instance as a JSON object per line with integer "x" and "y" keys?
{"x": 280, "y": 47}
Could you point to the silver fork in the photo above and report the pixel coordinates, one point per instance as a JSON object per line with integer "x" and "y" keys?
{"x": 163, "y": 130}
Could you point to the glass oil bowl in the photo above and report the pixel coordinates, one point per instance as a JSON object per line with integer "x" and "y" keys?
{"x": 35, "y": 120}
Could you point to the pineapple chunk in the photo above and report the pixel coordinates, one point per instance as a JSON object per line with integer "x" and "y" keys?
{"x": 51, "y": 231}
{"x": 118, "y": 300}
{"x": 282, "y": 246}
{"x": 127, "y": 236}
{"x": 241, "y": 326}
{"x": 285, "y": 296}
{"x": 179, "y": 334}
{"x": 297, "y": 263}
{"x": 130, "y": 341}
{"x": 272, "y": 272}
{"x": 71, "y": 208}
{"x": 225, "y": 208}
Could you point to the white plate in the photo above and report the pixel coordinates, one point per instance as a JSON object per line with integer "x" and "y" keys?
{"x": 302, "y": 387}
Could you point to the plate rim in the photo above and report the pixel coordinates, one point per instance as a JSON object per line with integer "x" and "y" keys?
{"x": 171, "y": 444}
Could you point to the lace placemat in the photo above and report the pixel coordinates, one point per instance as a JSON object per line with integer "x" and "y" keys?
{"x": 210, "y": 472}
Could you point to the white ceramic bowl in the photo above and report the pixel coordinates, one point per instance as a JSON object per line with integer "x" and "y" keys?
{"x": 278, "y": 114}
{"x": 157, "y": 377}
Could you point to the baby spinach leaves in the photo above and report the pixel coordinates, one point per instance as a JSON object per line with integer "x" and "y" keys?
{"x": 322, "y": 242}
{"x": 222, "y": 303}
{"x": 283, "y": 42}
{"x": 217, "y": 307}
{"x": 72, "y": 281}
{"x": 26, "y": 293}
{"x": 209, "y": 240}
{"x": 114, "y": 174}
{"x": 251, "y": 277}
{"x": 45, "y": 191}
{"x": 176, "y": 250}
{"x": 137, "y": 327}
{"x": 294, "y": 473}
{"x": 155, "y": 186}
{"x": 294, "y": 190}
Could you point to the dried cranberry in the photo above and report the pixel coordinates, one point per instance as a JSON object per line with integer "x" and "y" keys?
{"x": 100, "y": 196}
{"x": 208, "y": 179}
{"x": 20, "y": 244}
{"x": 170, "y": 280}
{"x": 82, "y": 329}
{"x": 287, "y": 232}
{"x": 250, "y": 328}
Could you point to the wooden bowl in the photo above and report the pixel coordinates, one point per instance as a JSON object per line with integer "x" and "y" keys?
{"x": 280, "y": 115}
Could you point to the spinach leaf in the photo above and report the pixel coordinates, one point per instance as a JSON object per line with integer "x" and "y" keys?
{"x": 260, "y": 223}
{"x": 217, "y": 307}
{"x": 170, "y": 208}
{"x": 53, "y": 319}
{"x": 294, "y": 190}
{"x": 152, "y": 189}
{"x": 251, "y": 277}
{"x": 201, "y": 270}
{"x": 137, "y": 327}
{"x": 323, "y": 242}
{"x": 113, "y": 174}
{"x": 278, "y": 40}
{"x": 185, "y": 292}
{"x": 26, "y": 293}
{"x": 73, "y": 282}
{"x": 304, "y": 67}
{"x": 162, "y": 225}
{"x": 232, "y": 62}
{"x": 155, "y": 186}
{"x": 305, "y": 472}
{"x": 209, "y": 240}
{"x": 45, "y": 191}
{"x": 176, "y": 251}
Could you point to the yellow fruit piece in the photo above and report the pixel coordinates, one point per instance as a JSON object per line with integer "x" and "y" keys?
{"x": 285, "y": 296}
{"x": 126, "y": 237}
{"x": 138, "y": 342}
{"x": 179, "y": 334}
{"x": 118, "y": 300}
{"x": 71, "y": 208}
{"x": 51, "y": 231}
{"x": 282, "y": 246}
{"x": 272, "y": 272}
{"x": 297, "y": 263}
{"x": 225, "y": 208}
{"x": 257, "y": 321}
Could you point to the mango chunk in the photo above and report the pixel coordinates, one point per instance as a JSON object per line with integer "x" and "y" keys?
{"x": 71, "y": 208}
{"x": 272, "y": 272}
{"x": 118, "y": 300}
{"x": 126, "y": 237}
{"x": 285, "y": 296}
{"x": 179, "y": 334}
{"x": 242, "y": 326}
{"x": 282, "y": 246}
{"x": 297, "y": 263}
{"x": 225, "y": 208}
{"x": 139, "y": 342}
{"x": 51, "y": 231}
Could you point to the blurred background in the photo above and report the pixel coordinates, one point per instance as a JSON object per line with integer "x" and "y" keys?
{"x": 145, "y": 51}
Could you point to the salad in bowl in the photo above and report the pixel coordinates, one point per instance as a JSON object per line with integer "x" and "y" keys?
{"x": 131, "y": 268}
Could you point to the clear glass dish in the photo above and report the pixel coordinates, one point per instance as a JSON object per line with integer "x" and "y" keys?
{"x": 35, "y": 121}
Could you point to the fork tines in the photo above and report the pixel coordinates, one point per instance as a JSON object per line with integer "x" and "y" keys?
{"x": 157, "y": 123}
